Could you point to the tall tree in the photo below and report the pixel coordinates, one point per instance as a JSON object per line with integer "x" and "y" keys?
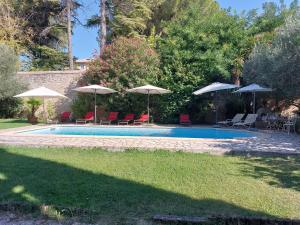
{"x": 131, "y": 17}
{"x": 101, "y": 21}
{"x": 124, "y": 64}
{"x": 277, "y": 64}
{"x": 69, "y": 28}
{"x": 12, "y": 32}
{"x": 10, "y": 85}
{"x": 69, "y": 16}
{"x": 48, "y": 32}
{"x": 103, "y": 25}
{"x": 121, "y": 18}
{"x": 263, "y": 25}
{"x": 199, "y": 46}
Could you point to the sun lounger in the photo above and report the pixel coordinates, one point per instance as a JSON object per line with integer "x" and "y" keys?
{"x": 248, "y": 122}
{"x": 89, "y": 117}
{"x": 236, "y": 119}
{"x": 126, "y": 120}
{"x": 112, "y": 116}
{"x": 65, "y": 117}
{"x": 143, "y": 119}
{"x": 184, "y": 119}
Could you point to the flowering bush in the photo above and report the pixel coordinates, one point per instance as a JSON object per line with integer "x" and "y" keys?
{"x": 124, "y": 64}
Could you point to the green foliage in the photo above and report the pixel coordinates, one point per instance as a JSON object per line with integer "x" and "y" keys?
{"x": 200, "y": 46}
{"x": 10, "y": 107}
{"x": 51, "y": 114}
{"x": 125, "y": 17}
{"x": 131, "y": 17}
{"x": 46, "y": 58}
{"x": 82, "y": 104}
{"x": 45, "y": 21}
{"x": 11, "y": 27}
{"x": 9, "y": 84}
{"x": 277, "y": 65}
{"x": 263, "y": 26}
{"x": 32, "y": 105}
{"x": 37, "y": 29}
{"x": 126, "y": 63}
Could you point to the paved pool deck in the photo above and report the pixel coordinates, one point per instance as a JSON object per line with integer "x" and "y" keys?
{"x": 265, "y": 142}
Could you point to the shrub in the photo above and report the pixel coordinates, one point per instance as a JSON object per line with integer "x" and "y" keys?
{"x": 126, "y": 63}
{"x": 276, "y": 64}
{"x": 10, "y": 107}
{"x": 9, "y": 84}
{"x": 81, "y": 105}
{"x": 51, "y": 110}
{"x": 32, "y": 106}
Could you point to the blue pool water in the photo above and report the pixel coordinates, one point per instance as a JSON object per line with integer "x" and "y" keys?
{"x": 144, "y": 132}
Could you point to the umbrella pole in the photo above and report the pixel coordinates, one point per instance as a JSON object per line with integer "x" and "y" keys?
{"x": 254, "y": 99}
{"x": 44, "y": 110}
{"x": 95, "y": 105}
{"x": 216, "y": 107}
{"x": 148, "y": 107}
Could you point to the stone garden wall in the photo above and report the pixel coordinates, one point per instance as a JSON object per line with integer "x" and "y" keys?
{"x": 60, "y": 81}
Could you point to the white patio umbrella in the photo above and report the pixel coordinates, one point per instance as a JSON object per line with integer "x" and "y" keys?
{"x": 95, "y": 89}
{"x": 149, "y": 90}
{"x": 253, "y": 88}
{"x": 41, "y": 92}
{"x": 215, "y": 87}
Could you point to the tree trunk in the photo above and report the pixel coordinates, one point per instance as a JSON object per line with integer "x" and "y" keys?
{"x": 236, "y": 76}
{"x": 103, "y": 28}
{"x": 70, "y": 49}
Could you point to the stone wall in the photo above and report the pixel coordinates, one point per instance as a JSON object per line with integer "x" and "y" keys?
{"x": 60, "y": 81}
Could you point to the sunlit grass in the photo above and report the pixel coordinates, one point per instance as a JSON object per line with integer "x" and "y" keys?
{"x": 12, "y": 123}
{"x": 126, "y": 185}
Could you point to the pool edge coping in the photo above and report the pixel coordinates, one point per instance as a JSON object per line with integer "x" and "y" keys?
{"x": 19, "y": 132}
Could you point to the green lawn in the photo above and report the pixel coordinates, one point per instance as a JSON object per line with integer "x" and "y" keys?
{"x": 12, "y": 123}
{"x": 132, "y": 185}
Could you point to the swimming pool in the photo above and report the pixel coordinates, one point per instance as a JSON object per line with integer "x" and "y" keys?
{"x": 143, "y": 132}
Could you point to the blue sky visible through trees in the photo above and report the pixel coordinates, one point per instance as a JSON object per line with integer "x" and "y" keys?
{"x": 84, "y": 39}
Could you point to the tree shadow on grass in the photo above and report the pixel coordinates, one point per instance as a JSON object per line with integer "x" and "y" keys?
{"x": 281, "y": 172}
{"x": 35, "y": 181}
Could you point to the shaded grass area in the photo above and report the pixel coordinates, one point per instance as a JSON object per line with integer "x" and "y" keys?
{"x": 283, "y": 172}
{"x": 124, "y": 187}
{"x": 13, "y": 123}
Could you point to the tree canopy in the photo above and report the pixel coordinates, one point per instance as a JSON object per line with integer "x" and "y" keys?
{"x": 36, "y": 29}
{"x": 278, "y": 64}
{"x": 178, "y": 44}
{"x": 126, "y": 63}
{"x": 10, "y": 85}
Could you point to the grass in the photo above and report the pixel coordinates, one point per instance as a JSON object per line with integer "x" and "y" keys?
{"x": 132, "y": 185}
{"x": 12, "y": 123}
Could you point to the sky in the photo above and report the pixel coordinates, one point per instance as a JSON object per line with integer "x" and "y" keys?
{"x": 85, "y": 39}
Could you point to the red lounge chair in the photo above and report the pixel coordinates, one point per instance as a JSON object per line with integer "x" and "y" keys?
{"x": 89, "y": 116}
{"x": 143, "y": 119}
{"x": 112, "y": 116}
{"x": 126, "y": 119}
{"x": 65, "y": 116}
{"x": 185, "y": 119}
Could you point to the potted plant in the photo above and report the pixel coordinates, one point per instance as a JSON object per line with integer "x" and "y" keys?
{"x": 33, "y": 105}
